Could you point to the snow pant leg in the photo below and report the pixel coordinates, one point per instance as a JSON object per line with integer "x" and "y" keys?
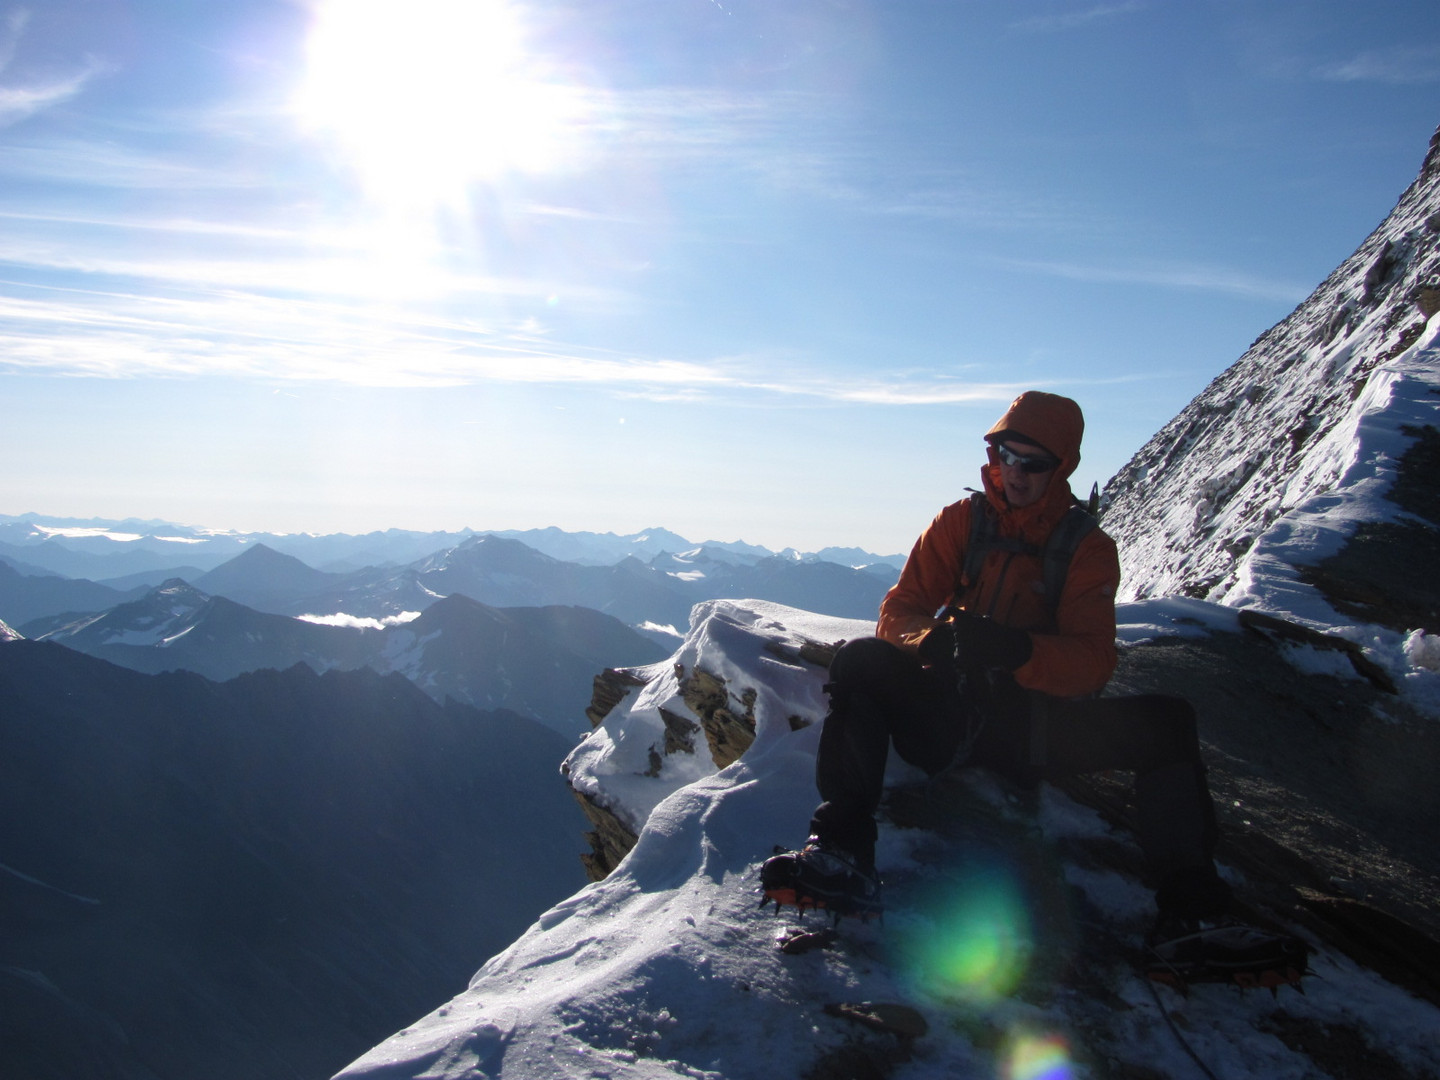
{"x": 1156, "y": 737}
{"x": 878, "y": 693}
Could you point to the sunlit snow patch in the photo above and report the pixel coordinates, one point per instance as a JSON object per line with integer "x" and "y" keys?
{"x": 1172, "y": 616}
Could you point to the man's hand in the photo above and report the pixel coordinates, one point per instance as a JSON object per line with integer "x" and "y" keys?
{"x": 980, "y": 642}
{"x": 937, "y": 646}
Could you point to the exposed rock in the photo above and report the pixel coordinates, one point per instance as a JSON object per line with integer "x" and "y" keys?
{"x": 695, "y": 700}
{"x": 729, "y": 733}
{"x": 1285, "y": 630}
{"x": 1324, "y": 785}
{"x": 610, "y": 688}
{"x": 679, "y": 733}
{"x": 610, "y": 841}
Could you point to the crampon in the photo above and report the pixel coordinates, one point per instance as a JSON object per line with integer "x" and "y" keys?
{"x": 821, "y": 879}
{"x": 1228, "y": 952}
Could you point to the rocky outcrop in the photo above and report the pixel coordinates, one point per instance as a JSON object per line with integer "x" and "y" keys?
{"x": 610, "y": 841}
{"x": 681, "y": 720}
{"x": 609, "y": 689}
{"x": 728, "y": 732}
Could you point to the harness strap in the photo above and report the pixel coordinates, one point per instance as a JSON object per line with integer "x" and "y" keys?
{"x": 1055, "y": 556}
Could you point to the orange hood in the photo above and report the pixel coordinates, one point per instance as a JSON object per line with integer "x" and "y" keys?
{"x": 1053, "y": 422}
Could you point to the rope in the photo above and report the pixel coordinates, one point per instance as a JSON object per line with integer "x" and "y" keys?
{"x": 1165, "y": 1013}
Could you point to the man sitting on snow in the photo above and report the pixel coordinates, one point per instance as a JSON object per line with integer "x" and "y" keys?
{"x": 1007, "y": 676}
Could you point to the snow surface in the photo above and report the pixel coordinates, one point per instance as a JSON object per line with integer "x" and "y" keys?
{"x": 668, "y": 968}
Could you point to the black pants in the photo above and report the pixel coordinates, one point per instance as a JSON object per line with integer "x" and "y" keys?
{"x": 881, "y": 694}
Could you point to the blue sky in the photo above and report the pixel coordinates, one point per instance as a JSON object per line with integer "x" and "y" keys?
{"x": 760, "y": 270}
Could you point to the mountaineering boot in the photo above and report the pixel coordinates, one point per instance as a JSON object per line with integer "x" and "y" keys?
{"x": 820, "y": 875}
{"x": 1182, "y": 951}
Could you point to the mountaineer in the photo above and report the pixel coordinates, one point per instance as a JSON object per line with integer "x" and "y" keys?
{"x": 992, "y": 650}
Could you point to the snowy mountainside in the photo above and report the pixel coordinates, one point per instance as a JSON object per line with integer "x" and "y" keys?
{"x": 1278, "y": 463}
{"x": 668, "y": 968}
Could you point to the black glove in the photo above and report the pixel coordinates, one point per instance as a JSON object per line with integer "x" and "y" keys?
{"x": 985, "y": 643}
{"x": 937, "y": 647}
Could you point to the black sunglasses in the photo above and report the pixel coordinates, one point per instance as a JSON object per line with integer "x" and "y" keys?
{"x": 1033, "y": 465}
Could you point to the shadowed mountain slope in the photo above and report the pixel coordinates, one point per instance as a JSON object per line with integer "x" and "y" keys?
{"x": 253, "y": 878}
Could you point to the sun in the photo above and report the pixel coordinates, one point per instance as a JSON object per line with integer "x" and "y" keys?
{"x": 427, "y": 97}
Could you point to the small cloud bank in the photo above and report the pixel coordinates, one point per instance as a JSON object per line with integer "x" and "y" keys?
{"x": 357, "y": 622}
{"x": 1400, "y": 66}
{"x": 1072, "y": 20}
{"x": 1193, "y": 277}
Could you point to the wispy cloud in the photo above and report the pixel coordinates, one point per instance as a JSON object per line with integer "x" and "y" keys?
{"x": 19, "y": 102}
{"x": 243, "y": 336}
{"x": 143, "y": 223}
{"x": 1070, "y": 20}
{"x": 1193, "y": 277}
{"x": 20, "y": 97}
{"x": 1402, "y": 65}
{"x": 103, "y": 164}
{"x": 965, "y": 203}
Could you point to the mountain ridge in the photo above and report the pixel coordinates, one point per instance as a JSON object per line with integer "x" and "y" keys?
{"x": 538, "y": 662}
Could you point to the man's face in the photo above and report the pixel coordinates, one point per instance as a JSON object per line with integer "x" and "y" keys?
{"x": 1023, "y": 488}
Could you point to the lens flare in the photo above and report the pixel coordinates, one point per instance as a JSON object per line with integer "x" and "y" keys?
{"x": 979, "y": 939}
{"x": 1037, "y": 1057}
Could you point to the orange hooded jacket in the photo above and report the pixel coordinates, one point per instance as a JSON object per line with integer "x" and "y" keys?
{"x": 1074, "y": 653}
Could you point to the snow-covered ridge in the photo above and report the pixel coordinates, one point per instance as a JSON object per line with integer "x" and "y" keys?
{"x": 667, "y": 968}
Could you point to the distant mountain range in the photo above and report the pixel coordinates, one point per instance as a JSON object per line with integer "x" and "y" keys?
{"x": 538, "y": 661}
{"x": 260, "y": 877}
{"x": 214, "y": 621}
{"x": 101, "y": 549}
{"x": 54, "y": 569}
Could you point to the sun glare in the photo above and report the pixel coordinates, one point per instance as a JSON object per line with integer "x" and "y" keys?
{"x": 427, "y": 97}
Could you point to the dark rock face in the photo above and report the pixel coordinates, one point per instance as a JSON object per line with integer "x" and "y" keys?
{"x": 262, "y": 877}
{"x": 1323, "y": 784}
